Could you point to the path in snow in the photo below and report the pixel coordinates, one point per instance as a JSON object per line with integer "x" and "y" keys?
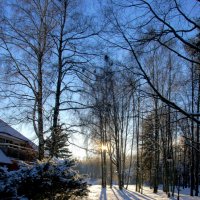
{"x": 96, "y": 193}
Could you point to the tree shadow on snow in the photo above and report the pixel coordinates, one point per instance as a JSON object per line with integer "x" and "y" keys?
{"x": 103, "y": 195}
{"x": 140, "y": 195}
{"x": 128, "y": 195}
{"x": 115, "y": 194}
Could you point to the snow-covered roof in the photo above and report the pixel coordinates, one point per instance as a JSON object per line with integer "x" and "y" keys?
{"x": 4, "y": 159}
{"x": 5, "y": 128}
{"x": 8, "y": 130}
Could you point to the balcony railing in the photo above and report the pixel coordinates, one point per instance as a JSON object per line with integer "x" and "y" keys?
{"x": 18, "y": 152}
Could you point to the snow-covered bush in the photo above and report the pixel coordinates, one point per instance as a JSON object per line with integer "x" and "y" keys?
{"x": 43, "y": 180}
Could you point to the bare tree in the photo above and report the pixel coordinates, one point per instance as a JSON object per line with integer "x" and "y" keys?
{"x": 27, "y": 75}
{"x": 72, "y": 51}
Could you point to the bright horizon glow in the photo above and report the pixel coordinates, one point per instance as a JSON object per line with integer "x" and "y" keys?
{"x": 103, "y": 147}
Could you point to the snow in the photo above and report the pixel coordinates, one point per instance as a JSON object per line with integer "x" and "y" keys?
{"x": 4, "y": 159}
{"x": 97, "y": 193}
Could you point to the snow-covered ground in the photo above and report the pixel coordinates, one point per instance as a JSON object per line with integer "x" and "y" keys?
{"x": 96, "y": 193}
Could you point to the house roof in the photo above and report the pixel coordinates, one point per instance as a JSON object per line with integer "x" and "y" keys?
{"x": 4, "y": 159}
{"x": 8, "y": 130}
{"x": 5, "y": 128}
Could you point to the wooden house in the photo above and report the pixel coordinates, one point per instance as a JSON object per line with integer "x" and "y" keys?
{"x": 15, "y": 147}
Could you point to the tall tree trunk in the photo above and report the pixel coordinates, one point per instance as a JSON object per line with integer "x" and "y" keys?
{"x": 197, "y": 143}
{"x": 111, "y": 171}
{"x": 137, "y": 146}
{"x": 132, "y": 142}
{"x": 40, "y": 110}
{"x": 192, "y": 140}
{"x": 60, "y": 65}
{"x": 156, "y": 148}
{"x": 124, "y": 149}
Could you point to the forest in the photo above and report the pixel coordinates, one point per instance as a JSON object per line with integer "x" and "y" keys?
{"x": 123, "y": 75}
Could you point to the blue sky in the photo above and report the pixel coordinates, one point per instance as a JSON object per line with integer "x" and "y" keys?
{"x": 93, "y": 7}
